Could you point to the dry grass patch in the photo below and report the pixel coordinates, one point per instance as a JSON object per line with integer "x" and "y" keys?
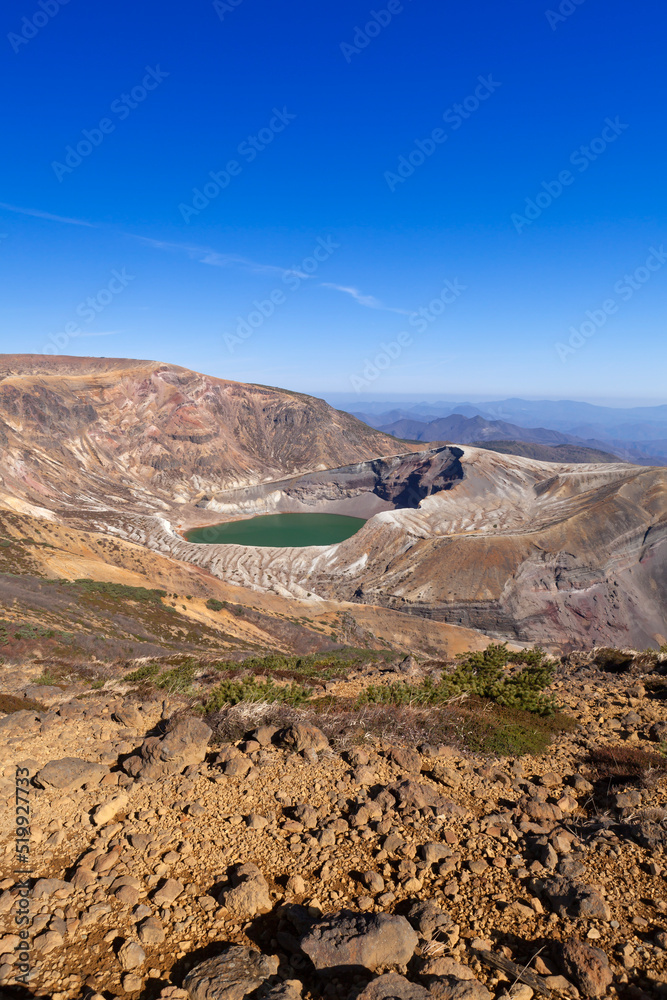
{"x": 9, "y": 703}
{"x": 622, "y": 765}
{"x": 476, "y": 724}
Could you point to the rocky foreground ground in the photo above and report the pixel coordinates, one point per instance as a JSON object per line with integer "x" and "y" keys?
{"x": 167, "y": 861}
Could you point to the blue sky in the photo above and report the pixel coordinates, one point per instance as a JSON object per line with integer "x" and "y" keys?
{"x": 352, "y": 194}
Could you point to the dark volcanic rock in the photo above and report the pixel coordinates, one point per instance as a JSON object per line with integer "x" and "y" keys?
{"x": 658, "y": 732}
{"x": 168, "y": 891}
{"x": 355, "y": 939}
{"x": 391, "y": 986}
{"x": 291, "y": 989}
{"x": 407, "y": 760}
{"x": 230, "y": 976}
{"x": 263, "y": 735}
{"x": 452, "y": 988}
{"x": 49, "y": 886}
{"x": 427, "y": 918}
{"x": 46, "y": 694}
{"x": 568, "y": 898}
{"x": 129, "y": 715}
{"x": 571, "y": 868}
{"x": 587, "y": 967}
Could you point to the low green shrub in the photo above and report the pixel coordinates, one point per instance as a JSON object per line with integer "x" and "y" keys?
{"x": 532, "y": 657}
{"x": 178, "y": 680}
{"x": 120, "y": 591}
{"x": 482, "y": 674}
{"x": 232, "y": 692}
{"x": 143, "y": 673}
{"x": 46, "y": 678}
{"x": 27, "y": 630}
{"x": 322, "y": 666}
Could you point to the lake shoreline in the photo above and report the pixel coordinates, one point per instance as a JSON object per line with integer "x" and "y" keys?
{"x": 280, "y": 530}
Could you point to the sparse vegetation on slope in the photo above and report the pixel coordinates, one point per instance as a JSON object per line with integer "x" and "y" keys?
{"x": 253, "y": 678}
{"x": 322, "y": 666}
{"x": 250, "y": 689}
{"x": 481, "y": 674}
{"x": 622, "y": 765}
{"x": 118, "y": 590}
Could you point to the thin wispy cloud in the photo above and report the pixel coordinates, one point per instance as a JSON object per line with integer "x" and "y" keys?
{"x": 214, "y": 258}
{"x": 369, "y": 301}
{"x": 37, "y": 214}
{"x": 205, "y": 254}
{"x": 232, "y": 260}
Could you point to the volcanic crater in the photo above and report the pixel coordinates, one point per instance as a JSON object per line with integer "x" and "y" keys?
{"x": 518, "y": 548}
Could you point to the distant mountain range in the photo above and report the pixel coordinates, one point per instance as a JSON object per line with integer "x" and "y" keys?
{"x": 465, "y": 430}
{"x": 582, "y": 419}
{"x": 565, "y": 415}
{"x": 636, "y": 435}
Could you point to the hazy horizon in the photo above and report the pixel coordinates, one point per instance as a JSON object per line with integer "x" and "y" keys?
{"x": 476, "y": 399}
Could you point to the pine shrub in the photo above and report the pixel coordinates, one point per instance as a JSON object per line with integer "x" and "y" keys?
{"x": 251, "y": 689}
{"x": 483, "y": 674}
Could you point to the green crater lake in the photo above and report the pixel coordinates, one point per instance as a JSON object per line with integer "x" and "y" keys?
{"x": 280, "y": 530}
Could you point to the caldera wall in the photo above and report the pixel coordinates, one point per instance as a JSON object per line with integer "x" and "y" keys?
{"x": 360, "y": 490}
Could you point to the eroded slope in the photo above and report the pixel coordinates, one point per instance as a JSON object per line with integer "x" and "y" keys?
{"x": 79, "y": 435}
